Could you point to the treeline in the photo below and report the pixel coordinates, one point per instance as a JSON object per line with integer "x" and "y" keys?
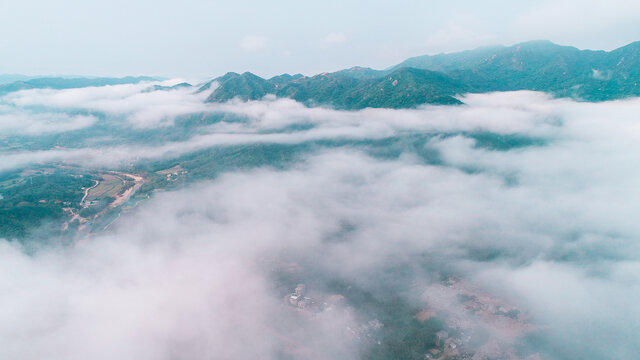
{"x": 38, "y": 198}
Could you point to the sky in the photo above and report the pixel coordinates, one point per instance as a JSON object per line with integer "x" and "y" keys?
{"x": 197, "y": 39}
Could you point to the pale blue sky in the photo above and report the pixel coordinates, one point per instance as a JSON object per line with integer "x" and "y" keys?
{"x": 199, "y": 39}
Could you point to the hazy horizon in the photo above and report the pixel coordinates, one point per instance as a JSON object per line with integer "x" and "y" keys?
{"x": 209, "y": 77}
{"x": 198, "y": 39}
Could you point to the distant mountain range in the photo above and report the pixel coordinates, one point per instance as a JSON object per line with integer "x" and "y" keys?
{"x": 537, "y": 65}
{"x": 564, "y": 71}
{"x": 25, "y": 83}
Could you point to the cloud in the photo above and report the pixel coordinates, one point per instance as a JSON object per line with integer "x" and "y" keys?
{"x": 142, "y": 108}
{"x": 33, "y": 123}
{"x": 525, "y": 195}
{"x": 601, "y": 75}
{"x": 333, "y": 39}
{"x": 584, "y": 311}
{"x": 529, "y": 113}
{"x": 264, "y": 121}
{"x": 170, "y": 291}
{"x": 183, "y": 273}
{"x": 252, "y": 43}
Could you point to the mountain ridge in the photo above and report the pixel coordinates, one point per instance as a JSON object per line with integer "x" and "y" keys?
{"x": 59, "y": 83}
{"x": 539, "y": 65}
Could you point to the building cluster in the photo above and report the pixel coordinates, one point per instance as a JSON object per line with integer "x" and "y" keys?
{"x": 298, "y": 298}
{"x": 449, "y": 348}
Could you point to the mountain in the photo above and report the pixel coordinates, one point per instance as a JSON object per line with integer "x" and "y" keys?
{"x": 564, "y": 71}
{"x": 405, "y": 87}
{"x": 542, "y": 66}
{"x": 359, "y": 72}
{"x": 467, "y": 59}
{"x": 402, "y": 88}
{"x": 11, "y": 78}
{"x": 284, "y": 79}
{"x": 69, "y": 83}
{"x": 181, "y": 85}
{"x": 245, "y": 86}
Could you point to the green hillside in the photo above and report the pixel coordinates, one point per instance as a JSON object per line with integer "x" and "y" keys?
{"x": 564, "y": 71}
{"x": 542, "y": 66}
{"x": 402, "y": 88}
{"x": 69, "y": 83}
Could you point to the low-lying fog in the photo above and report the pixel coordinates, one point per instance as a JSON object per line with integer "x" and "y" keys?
{"x": 548, "y": 224}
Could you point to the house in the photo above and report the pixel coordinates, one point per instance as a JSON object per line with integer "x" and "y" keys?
{"x": 298, "y": 299}
{"x": 441, "y": 336}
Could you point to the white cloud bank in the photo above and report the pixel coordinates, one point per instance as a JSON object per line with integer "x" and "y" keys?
{"x": 184, "y": 275}
{"x": 507, "y": 113}
{"x": 142, "y": 108}
{"x": 29, "y": 123}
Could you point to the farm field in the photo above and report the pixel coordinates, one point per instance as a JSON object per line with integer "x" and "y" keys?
{"x": 109, "y": 186}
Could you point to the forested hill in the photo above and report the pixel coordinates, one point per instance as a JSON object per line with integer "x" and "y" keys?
{"x": 563, "y": 71}
{"x": 25, "y": 83}
{"x": 538, "y": 65}
{"x": 402, "y": 88}
{"x": 543, "y": 66}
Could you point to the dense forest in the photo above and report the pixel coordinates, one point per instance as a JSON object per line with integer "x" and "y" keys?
{"x": 33, "y": 199}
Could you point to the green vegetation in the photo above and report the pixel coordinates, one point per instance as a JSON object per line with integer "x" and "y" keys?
{"x": 403, "y": 88}
{"x": 245, "y": 87}
{"x": 96, "y": 207}
{"x": 538, "y": 65}
{"x": 402, "y": 336}
{"x": 175, "y": 172}
{"x": 542, "y": 66}
{"x": 30, "y": 200}
{"x": 68, "y": 83}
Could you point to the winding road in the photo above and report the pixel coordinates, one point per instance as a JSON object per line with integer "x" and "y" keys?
{"x": 86, "y": 193}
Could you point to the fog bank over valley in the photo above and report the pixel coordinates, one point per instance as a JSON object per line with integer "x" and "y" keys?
{"x": 500, "y": 227}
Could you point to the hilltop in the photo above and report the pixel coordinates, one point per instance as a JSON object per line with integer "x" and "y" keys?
{"x": 564, "y": 71}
